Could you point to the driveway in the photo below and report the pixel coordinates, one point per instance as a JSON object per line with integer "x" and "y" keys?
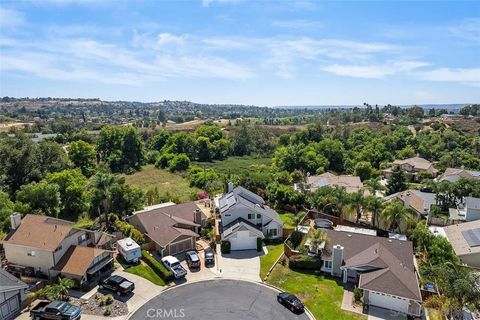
{"x": 375, "y": 313}
{"x": 217, "y": 299}
{"x": 242, "y": 265}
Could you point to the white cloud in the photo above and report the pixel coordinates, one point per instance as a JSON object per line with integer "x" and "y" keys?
{"x": 374, "y": 71}
{"x": 168, "y": 38}
{"x": 207, "y": 3}
{"x": 10, "y": 18}
{"x": 467, "y": 30}
{"x": 469, "y": 76}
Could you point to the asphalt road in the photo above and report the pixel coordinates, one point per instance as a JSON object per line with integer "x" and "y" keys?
{"x": 218, "y": 299}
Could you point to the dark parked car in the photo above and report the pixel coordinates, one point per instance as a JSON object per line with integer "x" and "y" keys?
{"x": 56, "y": 310}
{"x": 209, "y": 256}
{"x": 291, "y": 302}
{"x": 117, "y": 284}
{"x": 193, "y": 260}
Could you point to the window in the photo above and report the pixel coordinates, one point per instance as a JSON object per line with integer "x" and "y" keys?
{"x": 328, "y": 264}
{"x": 31, "y": 253}
{"x": 259, "y": 216}
{"x": 273, "y": 232}
{"x": 251, "y": 216}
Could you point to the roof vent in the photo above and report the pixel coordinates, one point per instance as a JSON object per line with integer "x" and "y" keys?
{"x": 349, "y": 235}
{"x": 129, "y": 244}
{"x": 389, "y": 240}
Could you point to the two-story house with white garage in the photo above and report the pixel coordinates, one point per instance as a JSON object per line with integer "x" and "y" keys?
{"x": 245, "y": 217}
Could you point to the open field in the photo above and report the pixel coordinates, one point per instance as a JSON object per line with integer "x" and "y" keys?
{"x": 235, "y": 164}
{"x": 168, "y": 184}
{"x": 322, "y": 296}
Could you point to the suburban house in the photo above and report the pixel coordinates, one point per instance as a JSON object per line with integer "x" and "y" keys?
{"x": 417, "y": 200}
{"x": 453, "y": 175}
{"x": 382, "y": 267}
{"x": 413, "y": 166}
{"x": 351, "y": 183}
{"x": 170, "y": 228}
{"x": 245, "y": 217}
{"x": 469, "y": 210}
{"x": 12, "y": 294}
{"x": 465, "y": 241}
{"x": 49, "y": 247}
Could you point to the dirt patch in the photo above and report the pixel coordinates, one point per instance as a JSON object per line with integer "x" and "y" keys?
{"x": 97, "y": 304}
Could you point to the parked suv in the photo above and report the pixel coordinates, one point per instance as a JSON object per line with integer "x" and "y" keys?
{"x": 172, "y": 264}
{"x": 209, "y": 256}
{"x": 117, "y": 284}
{"x": 193, "y": 260}
{"x": 291, "y": 302}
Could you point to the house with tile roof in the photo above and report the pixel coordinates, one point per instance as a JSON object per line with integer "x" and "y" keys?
{"x": 413, "y": 166}
{"x": 382, "y": 267}
{"x": 349, "y": 182}
{"x": 172, "y": 228}
{"x": 417, "y": 200}
{"x": 453, "y": 175}
{"x": 245, "y": 217}
{"x": 45, "y": 245}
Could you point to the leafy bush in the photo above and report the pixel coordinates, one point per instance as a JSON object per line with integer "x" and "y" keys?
{"x": 304, "y": 262}
{"x": 129, "y": 231}
{"x": 225, "y": 247}
{"x": 108, "y": 299}
{"x": 259, "y": 244}
{"x": 296, "y": 238}
{"x": 357, "y": 294}
{"x": 159, "y": 268}
{"x": 179, "y": 162}
{"x": 108, "y": 311}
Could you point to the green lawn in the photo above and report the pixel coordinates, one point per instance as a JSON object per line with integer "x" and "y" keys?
{"x": 146, "y": 272}
{"x": 322, "y": 296}
{"x": 266, "y": 261}
{"x": 235, "y": 164}
{"x": 170, "y": 185}
{"x": 288, "y": 219}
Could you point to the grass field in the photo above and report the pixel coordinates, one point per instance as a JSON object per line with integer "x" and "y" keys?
{"x": 266, "y": 261}
{"x": 287, "y": 219}
{"x": 168, "y": 184}
{"x": 235, "y": 164}
{"x": 322, "y": 296}
{"x": 146, "y": 272}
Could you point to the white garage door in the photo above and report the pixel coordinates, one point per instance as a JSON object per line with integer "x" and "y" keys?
{"x": 243, "y": 240}
{"x": 388, "y": 302}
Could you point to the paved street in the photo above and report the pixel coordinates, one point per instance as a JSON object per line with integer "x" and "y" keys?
{"x": 217, "y": 299}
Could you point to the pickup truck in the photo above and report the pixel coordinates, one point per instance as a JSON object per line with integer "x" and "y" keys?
{"x": 117, "y": 284}
{"x": 172, "y": 264}
{"x": 55, "y": 310}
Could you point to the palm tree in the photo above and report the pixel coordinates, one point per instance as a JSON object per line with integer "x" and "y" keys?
{"x": 103, "y": 181}
{"x": 375, "y": 205}
{"x": 317, "y": 239}
{"x": 355, "y": 203}
{"x": 395, "y": 214}
{"x": 341, "y": 200}
{"x": 373, "y": 185}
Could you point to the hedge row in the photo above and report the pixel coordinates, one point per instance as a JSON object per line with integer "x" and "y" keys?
{"x": 225, "y": 246}
{"x": 157, "y": 266}
{"x": 305, "y": 262}
{"x": 259, "y": 244}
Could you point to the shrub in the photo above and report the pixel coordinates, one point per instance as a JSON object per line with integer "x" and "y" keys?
{"x": 296, "y": 238}
{"x": 179, "y": 162}
{"x": 259, "y": 244}
{"x": 108, "y": 311}
{"x": 305, "y": 262}
{"x": 108, "y": 299}
{"x": 357, "y": 294}
{"x": 159, "y": 268}
{"x": 225, "y": 247}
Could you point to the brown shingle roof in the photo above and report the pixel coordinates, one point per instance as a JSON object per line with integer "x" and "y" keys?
{"x": 161, "y": 227}
{"x": 416, "y": 162}
{"x": 351, "y": 183}
{"x": 40, "y": 232}
{"x": 393, "y": 257}
{"x": 77, "y": 260}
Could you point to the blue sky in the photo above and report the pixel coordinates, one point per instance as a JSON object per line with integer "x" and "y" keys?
{"x": 251, "y": 52}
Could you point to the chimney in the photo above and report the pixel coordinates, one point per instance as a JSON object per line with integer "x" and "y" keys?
{"x": 230, "y": 187}
{"x": 15, "y": 220}
{"x": 196, "y": 216}
{"x": 337, "y": 260}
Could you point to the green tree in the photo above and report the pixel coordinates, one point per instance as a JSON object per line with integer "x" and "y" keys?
{"x": 363, "y": 169}
{"x": 52, "y": 157}
{"x": 204, "y": 149}
{"x": 6, "y": 209}
{"x": 395, "y": 214}
{"x": 72, "y": 186}
{"x": 179, "y": 162}
{"x": 102, "y": 183}
{"x": 82, "y": 154}
{"x": 397, "y": 181}
{"x": 375, "y": 205}
{"x": 41, "y": 198}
